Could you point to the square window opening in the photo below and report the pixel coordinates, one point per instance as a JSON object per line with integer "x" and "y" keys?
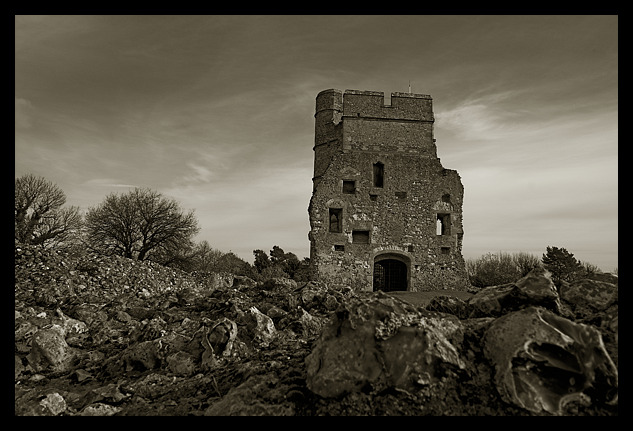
{"x": 445, "y": 250}
{"x": 360, "y": 237}
{"x": 349, "y": 187}
{"x": 339, "y": 247}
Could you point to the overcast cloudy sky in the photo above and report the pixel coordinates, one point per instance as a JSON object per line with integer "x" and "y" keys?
{"x": 218, "y": 113}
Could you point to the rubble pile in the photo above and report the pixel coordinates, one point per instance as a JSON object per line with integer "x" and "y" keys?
{"x": 105, "y": 335}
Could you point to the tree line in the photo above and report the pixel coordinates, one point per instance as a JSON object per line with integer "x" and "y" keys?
{"x": 141, "y": 224}
{"x": 493, "y": 269}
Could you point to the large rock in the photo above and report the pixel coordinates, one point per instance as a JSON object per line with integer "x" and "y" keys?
{"x": 256, "y": 327}
{"x": 49, "y": 350}
{"x": 35, "y": 403}
{"x": 303, "y": 323}
{"x": 587, "y": 297}
{"x": 378, "y": 341}
{"x": 535, "y": 289}
{"x": 543, "y": 361}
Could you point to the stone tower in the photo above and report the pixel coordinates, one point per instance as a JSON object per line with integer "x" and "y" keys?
{"x": 384, "y": 213}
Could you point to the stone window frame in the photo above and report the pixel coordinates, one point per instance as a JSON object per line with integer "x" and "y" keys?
{"x": 353, "y": 189}
{"x": 445, "y": 220}
{"x": 339, "y": 214}
{"x": 378, "y": 174}
{"x": 358, "y": 236}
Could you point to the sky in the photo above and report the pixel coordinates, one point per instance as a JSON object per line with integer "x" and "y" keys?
{"x": 217, "y": 112}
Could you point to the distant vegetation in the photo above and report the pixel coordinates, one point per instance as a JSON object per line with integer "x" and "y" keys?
{"x": 40, "y": 218}
{"x": 495, "y": 269}
{"x": 140, "y": 225}
{"x": 144, "y": 225}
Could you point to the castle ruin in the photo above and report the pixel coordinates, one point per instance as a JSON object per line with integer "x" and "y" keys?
{"x": 384, "y": 213}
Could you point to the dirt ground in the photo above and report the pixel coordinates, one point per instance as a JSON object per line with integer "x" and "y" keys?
{"x": 423, "y": 298}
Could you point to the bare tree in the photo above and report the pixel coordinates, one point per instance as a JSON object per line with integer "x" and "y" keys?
{"x": 39, "y": 216}
{"x": 140, "y": 224}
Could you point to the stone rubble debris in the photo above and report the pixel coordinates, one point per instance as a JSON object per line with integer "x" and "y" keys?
{"x": 104, "y": 335}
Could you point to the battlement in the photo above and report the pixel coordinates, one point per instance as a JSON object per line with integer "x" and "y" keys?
{"x": 371, "y": 105}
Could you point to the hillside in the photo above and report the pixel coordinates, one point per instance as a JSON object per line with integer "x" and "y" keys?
{"x": 100, "y": 336}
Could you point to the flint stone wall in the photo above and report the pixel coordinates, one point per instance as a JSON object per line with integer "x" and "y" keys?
{"x": 353, "y": 131}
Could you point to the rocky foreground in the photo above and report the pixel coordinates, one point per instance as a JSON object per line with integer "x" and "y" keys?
{"x": 102, "y": 336}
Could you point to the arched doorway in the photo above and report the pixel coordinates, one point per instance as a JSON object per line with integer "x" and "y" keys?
{"x": 391, "y": 272}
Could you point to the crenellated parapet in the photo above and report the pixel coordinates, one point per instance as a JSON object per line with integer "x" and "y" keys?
{"x": 371, "y": 105}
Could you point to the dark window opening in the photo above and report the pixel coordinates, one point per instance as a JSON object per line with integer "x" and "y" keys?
{"x": 336, "y": 214}
{"x": 410, "y": 248}
{"x": 401, "y": 195}
{"x": 445, "y": 250}
{"x": 349, "y": 187}
{"x": 379, "y": 174}
{"x": 360, "y": 237}
{"x": 446, "y": 198}
{"x": 339, "y": 247}
{"x": 443, "y": 224}
{"x": 390, "y": 275}
{"x": 373, "y": 197}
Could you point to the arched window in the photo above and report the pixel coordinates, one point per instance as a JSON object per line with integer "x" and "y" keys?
{"x": 335, "y": 219}
{"x": 443, "y": 224}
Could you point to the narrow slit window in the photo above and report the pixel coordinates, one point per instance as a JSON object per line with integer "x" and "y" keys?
{"x": 360, "y": 237}
{"x": 349, "y": 187}
{"x": 379, "y": 174}
{"x": 336, "y": 224}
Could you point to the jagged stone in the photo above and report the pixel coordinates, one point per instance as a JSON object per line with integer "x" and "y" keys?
{"x": 49, "y": 404}
{"x": 256, "y": 327}
{"x": 54, "y": 403}
{"x": 301, "y": 322}
{"x": 279, "y": 284}
{"x": 536, "y": 288}
{"x": 587, "y": 296}
{"x": 99, "y": 409}
{"x": 380, "y": 341}
{"x": 448, "y": 304}
{"x": 543, "y": 361}
{"x": 183, "y": 349}
{"x": 182, "y": 364}
{"x": 49, "y": 350}
{"x": 247, "y": 400}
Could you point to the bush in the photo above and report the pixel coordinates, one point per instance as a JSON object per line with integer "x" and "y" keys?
{"x": 495, "y": 269}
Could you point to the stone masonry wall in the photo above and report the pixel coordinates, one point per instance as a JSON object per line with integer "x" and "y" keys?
{"x": 401, "y": 216}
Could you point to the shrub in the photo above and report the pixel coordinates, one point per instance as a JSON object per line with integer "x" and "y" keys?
{"x": 495, "y": 269}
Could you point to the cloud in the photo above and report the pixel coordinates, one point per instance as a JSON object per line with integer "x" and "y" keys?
{"x": 481, "y": 118}
{"x": 106, "y": 182}
{"x": 254, "y": 208}
{"x": 23, "y": 113}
